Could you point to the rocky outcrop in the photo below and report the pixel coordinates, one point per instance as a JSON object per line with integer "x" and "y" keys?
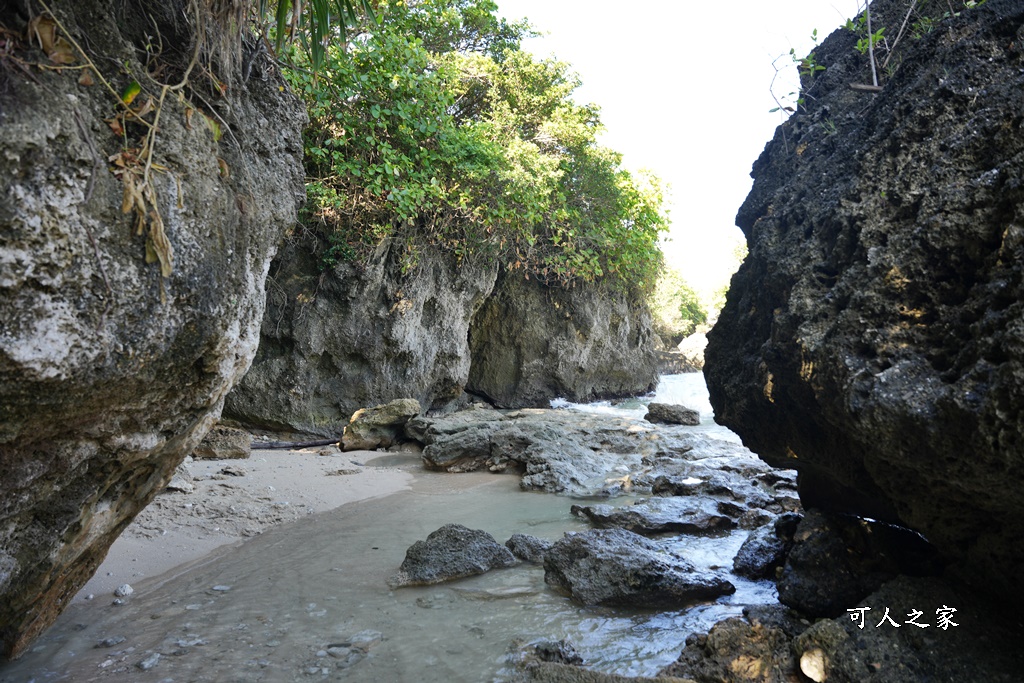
{"x": 531, "y": 343}
{"x": 451, "y": 552}
{"x": 338, "y": 339}
{"x": 224, "y": 443}
{"x": 618, "y": 567}
{"x": 380, "y": 426}
{"x": 110, "y": 373}
{"x": 909, "y": 630}
{"x": 872, "y": 339}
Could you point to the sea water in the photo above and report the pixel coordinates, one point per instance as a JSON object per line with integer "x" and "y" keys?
{"x": 271, "y": 608}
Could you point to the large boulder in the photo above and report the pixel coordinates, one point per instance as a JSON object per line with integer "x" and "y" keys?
{"x": 339, "y": 338}
{"x": 873, "y": 338}
{"x": 451, "y": 552}
{"x": 531, "y": 343}
{"x": 616, "y": 567}
{"x": 111, "y": 372}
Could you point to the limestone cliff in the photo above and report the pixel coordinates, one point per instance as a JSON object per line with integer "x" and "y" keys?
{"x": 110, "y": 373}
{"x": 873, "y": 338}
{"x": 338, "y": 339}
{"x": 531, "y": 343}
{"x": 358, "y": 334}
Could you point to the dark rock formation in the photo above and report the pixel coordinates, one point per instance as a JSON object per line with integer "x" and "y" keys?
{"x": 660, "y": 515}
{"x": 908, "y": 631}
{"x": 667, "y": 413}
{"x": 618, "y": 567}
{"x": 338, "y": 339}
{"x": 451, "y": 552}
{"x": 110, "y": 374}
{"x": 381, "y": 426}
{"x": 224, "y": 443}
{"x": 872, "y": 339}
{"x": 762, "y": 553}
{"x": 528, "y": 548}
{"x": 531, "y": 343}
{"x": 835, "y": 561}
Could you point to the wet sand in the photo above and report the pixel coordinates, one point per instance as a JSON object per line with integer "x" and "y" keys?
{"x": 234, "y": 500}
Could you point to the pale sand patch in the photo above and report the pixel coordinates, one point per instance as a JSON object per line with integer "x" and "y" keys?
{"x": 275, "y": 486}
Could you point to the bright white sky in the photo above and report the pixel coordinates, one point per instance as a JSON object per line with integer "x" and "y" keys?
{"x": 684, "y": 91}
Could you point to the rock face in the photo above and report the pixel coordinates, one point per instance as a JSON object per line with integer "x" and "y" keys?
{"x": 531, "y": 343}
{"x": 335, "y": 340}
{"x": 109, "y": 373}
{"x": 873, "y": 339}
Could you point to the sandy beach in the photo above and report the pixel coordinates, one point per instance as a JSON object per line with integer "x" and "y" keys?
{"x": 233, "y": 500}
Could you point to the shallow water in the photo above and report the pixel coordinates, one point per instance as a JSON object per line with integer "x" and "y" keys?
{"x": 267, "y": 610}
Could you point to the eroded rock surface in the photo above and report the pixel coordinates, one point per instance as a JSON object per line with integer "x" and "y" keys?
{"x": 110, "y": 374}
{"x": 618, "y": 567}
{"x": 340, "y": 338}
{"x": 381, "y": 426}
{"x": 451, "y": 552}
{"x": 872, "y": 339}
{"x": 532, "y": 343}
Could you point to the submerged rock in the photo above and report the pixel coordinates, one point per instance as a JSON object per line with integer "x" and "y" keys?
{"x": 872, "y": 338}
{"x": 451, "y": 552}
{"x": 112, "y": 369}
{"x": 618, "y": 567}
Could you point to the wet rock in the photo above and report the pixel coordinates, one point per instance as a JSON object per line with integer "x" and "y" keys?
{"x": 379, "y": 427}
{"x": 872, "y": 336}
{"x": 618, "y": 567}
{"x": 836, "y": 561}
{"x": 528, "y": 548}
{"x": 761, "y": 554}
{"x": 659, "y": 515}
{"x": 224, "y": 443}
{"x": 558, "y": 651}
{"x": 451, "y": 552}
{"x": 531, "y": 343}
{"x": 113, "y": 369}
{"x": 668, "y": 413}
{"x": 557, "y": 451}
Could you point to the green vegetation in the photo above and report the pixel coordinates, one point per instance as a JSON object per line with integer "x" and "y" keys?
{"x": 676, "y": 307}
{"x": 429, "y": 125}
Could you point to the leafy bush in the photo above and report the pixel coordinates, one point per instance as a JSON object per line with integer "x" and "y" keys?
{"x": 431, "y": 126}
